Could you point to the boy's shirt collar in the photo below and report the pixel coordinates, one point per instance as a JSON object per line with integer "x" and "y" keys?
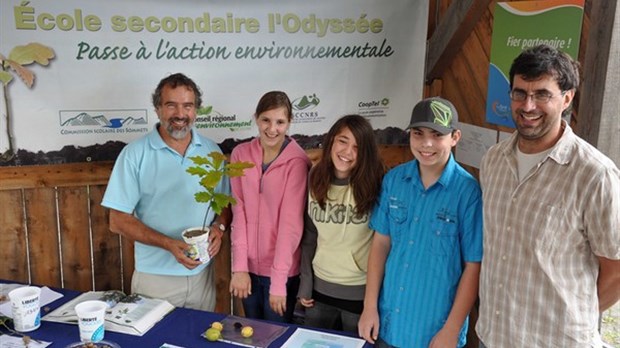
{"x": 444, "y": 180}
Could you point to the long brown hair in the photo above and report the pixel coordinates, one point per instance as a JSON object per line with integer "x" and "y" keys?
{"x": 367, "y": 174}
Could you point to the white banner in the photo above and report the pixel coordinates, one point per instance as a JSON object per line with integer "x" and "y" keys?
{"x": 331, "y": 57}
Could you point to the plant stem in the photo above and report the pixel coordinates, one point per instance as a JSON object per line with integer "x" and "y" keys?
{"x": 204, "y": 222}
{"x": 3, "y": 321}
{"x": 8, "y": 120}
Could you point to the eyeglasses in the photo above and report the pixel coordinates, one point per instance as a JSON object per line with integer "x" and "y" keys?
{"x": 539, "y": 97}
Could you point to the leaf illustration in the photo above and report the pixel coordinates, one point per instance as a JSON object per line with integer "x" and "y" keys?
{"x": 205, "y": 110}
{"x": 5, "y": 77}
{"x": 32, "y": 52}
{"x": 24, "y": 74}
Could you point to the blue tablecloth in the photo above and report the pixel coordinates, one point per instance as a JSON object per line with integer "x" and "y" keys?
{"x": 182, "y": 327}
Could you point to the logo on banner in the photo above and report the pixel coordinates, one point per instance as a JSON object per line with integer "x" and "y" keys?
{"x": 304, "y": 109}
{"x": 207, "y": 117}
{"x": 374, "y": 108}
{"x": 103, "y": 121}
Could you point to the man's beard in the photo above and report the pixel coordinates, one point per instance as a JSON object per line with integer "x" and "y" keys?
{"x": 176, "y": 133}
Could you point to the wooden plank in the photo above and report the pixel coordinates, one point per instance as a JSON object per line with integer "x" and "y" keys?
{"x": 13, "y": 246}
{"x": 393, "y": 155}
{"x": 75, "y": 238}
{"x": 477, "y": 63}
{"x": 107, "y": 261}
{"x": 435, "y": 89}
{"x": 473, "y": 96}
{"x": 598, "y": 120}
{"x": 222, "y": 276}
{"x": 74, "y": 174}
{"x": 454, "y": 28}
{"x": 128, "y": 262}
{"x": 484, "y": 30}
{"x": 42, "y": 224}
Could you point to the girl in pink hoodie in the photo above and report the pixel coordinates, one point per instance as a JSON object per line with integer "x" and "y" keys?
{"x": 268, "y": 217}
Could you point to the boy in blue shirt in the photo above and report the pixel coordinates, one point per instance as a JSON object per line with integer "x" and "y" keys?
{"x": 425, "y": 256}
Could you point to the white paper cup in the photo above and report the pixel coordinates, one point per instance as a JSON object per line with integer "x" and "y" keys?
{"x": 25, "y": 308}
{"x": 199, "y": 244}
{"x": 91, "y": 319}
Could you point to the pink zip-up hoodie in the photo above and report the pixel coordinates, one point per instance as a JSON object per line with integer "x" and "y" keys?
{"x": 268, "y": 218}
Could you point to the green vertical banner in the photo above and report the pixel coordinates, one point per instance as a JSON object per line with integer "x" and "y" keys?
{"x": 518, "y": 26}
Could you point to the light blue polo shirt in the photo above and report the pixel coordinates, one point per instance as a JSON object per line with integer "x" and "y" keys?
{"x": 149, "y": 180}
{"x": 432, "y": 232}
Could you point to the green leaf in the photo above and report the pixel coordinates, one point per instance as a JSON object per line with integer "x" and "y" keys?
{"x": 240, "y": 165}
{"x": 203, "y": 197}
{"x": 5, "y": 77}
{"x": 197, "y": 171}
{"x": 220, "y": 201}
{"x": 237, "y": 168}
{"x": 211, "y": 179}
{"x": 32, "y": 52}
{"x": 201, "y": 161}
{"x": 218, "y": 159}
{"x": 211, "y": 169}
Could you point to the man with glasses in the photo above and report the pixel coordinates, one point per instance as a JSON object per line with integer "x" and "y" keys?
{"x": 551, "y": 218}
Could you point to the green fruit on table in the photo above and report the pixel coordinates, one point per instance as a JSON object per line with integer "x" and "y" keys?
{"x": 217, "y": 325}
{"x": 213, "y": 334}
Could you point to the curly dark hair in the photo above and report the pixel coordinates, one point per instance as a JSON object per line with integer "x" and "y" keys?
{"x": 541, "y": 60}
{"x": 174, "y": 81}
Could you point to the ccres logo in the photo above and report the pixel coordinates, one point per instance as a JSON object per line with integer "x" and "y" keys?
{"x": 305, "y": 109}
{"x": 306, "y": 102}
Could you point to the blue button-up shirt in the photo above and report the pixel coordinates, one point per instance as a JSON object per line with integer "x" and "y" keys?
{"x": 433, "y": 233}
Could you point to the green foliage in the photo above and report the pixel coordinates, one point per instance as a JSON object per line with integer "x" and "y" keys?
{"x": 211, "y": 170}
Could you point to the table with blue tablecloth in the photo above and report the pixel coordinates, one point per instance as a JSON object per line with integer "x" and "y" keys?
{"x": 181, "y": 327}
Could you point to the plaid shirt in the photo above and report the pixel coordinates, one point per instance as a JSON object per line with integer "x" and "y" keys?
{"x": 542, "y": 236}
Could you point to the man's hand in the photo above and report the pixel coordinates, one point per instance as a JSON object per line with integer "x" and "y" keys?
{"x": 368, "y": 326}
{"x": 241, "y": 285}
{"x": 306, "y": 302}
{"x": 215, "y": 239}
{"x": 179, "y": 249}
{"x": 278, "y": 304}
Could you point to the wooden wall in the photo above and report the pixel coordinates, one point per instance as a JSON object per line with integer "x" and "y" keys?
{"x": 54, "y": 232}
{"x": 464, "y": 78}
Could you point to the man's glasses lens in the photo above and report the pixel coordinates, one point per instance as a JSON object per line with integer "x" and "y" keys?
{"x": 538, "y": 97}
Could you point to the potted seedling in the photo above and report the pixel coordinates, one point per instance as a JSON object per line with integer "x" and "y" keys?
{"x": 210, "y": 169}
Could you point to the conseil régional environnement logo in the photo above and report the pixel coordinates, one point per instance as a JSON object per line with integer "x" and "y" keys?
{"x": 75, "y": 122}
{"x": 207, "y": 117}
{"x": 305, "y": 109}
